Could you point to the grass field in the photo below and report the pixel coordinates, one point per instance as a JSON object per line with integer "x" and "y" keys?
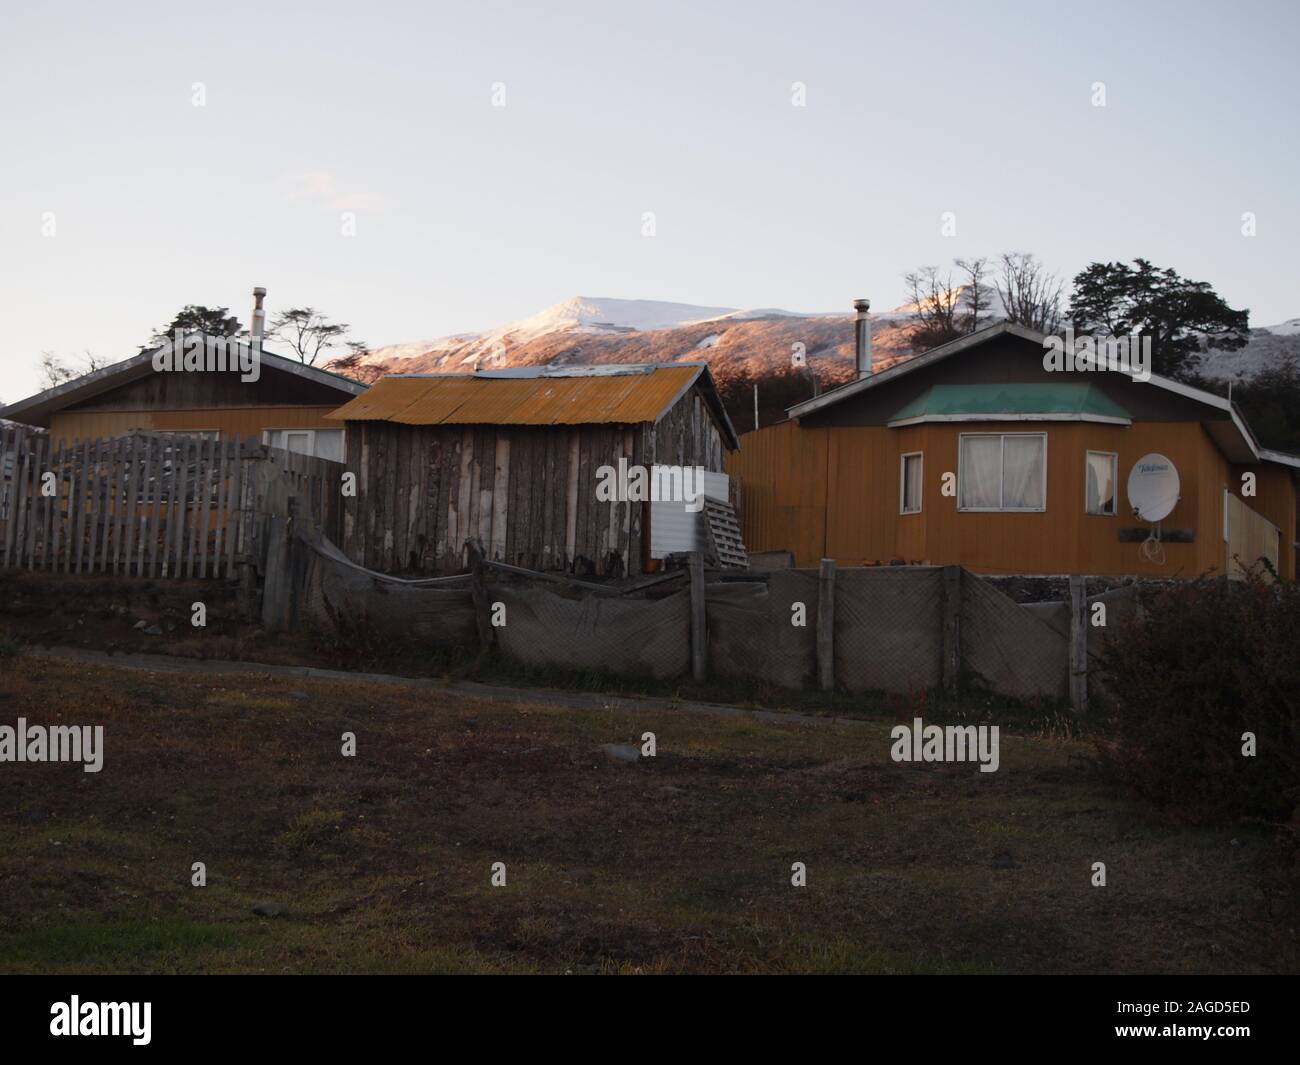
{"x": 677, "y": 863}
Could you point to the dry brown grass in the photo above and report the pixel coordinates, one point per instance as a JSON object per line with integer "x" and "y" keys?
{"x": 680, "y": 863}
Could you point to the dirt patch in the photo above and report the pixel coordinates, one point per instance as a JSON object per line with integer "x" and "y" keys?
{"x": 113, "y": 615}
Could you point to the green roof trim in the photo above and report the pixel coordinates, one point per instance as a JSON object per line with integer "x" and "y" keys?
{"x": 1067, "y": 401}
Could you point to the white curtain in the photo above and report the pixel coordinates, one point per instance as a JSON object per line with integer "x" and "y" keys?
{"x": 1101, "y": 483}
{"x": 1022, "y": 473}
{"x": 981, "y": 466}
{"x": 329, "y": 444}
{"x": 911, "y": 484}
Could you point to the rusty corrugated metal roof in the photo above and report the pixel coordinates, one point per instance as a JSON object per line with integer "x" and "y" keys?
{"x": 393, "y": 399}
{"x": 641, "y": 394}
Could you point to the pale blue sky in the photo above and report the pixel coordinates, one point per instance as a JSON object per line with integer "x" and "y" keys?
{"x": 470, "y": 215}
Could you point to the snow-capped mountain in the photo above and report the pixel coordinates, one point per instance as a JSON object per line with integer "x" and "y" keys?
{"x": 582, "y": 315}
{"x": 779, "y": 350}
{"x": 742, "y": 347}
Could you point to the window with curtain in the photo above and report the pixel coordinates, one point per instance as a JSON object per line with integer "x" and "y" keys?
{"x": 1099, "y": 482}
{"x": 1002, "y": 471}
{"x": 910, "y": 480}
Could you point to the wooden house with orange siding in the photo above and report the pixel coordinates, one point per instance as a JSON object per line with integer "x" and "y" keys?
{"x": 286, "y": 406}
{"x": 976, "y": 454}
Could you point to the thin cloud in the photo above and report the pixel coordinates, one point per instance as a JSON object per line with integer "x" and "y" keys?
{"x": 323, "y": 188}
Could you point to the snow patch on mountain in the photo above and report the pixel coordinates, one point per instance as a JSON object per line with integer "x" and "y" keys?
{"x": 1289, "y": 328}
{"x": 417, "y": 348}
{"x": 601, "y": 314}
{"x": 1268, "y": 347}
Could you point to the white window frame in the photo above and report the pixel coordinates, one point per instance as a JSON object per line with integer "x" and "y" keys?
{"x": 311, "y": 433}
{"x": 1114, "y": 497}
{"x": 1002, "y": 449}
{"x": 902, "y": 482}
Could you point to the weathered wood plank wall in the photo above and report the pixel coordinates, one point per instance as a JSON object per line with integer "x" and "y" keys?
{"x": 147, "y": 504}
{"x": 522, "y": 495}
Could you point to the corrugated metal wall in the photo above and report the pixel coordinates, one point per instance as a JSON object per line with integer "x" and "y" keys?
{"x": 674, "y": 529}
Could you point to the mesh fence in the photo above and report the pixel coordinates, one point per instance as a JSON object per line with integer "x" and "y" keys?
{"x": 889, "y": 625}
{"x": 889, "y": 628}
{"x": 636, "y": 637}
{"x": 1012, "y": 649}
{"x": 1053, "y": 612}
{"x": 751, "y": 634}
{"x": 1121, "y": 604}
{"x": 338, "y": 594}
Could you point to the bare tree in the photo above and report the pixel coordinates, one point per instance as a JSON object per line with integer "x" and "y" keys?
{"x": 352, "y": 364}
{"x": 307, "y": 332}
{"x": 1030, "y": 293}
{"x": 54, "y": 369}
{"x": 935, "y": 302}
{"x": 976, "y": 300}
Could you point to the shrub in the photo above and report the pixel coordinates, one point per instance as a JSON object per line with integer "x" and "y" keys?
{"x": 10, "y": 645}
{"x": 1202, "y": 664}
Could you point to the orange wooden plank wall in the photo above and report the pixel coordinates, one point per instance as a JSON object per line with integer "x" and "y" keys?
{"x": 242, "y": 421}
{"x": 782, "y": 470}
{"x": 835, "y": 493}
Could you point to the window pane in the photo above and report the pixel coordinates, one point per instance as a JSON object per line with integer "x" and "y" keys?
{"x": 329, "y": 444}
{"x": 1022, "y": 473}
{"x": 911, "y": 484}
{"x": 298, "y": 442}
{"x": 1101, "y": 483}
{"x": 981, "y": 461}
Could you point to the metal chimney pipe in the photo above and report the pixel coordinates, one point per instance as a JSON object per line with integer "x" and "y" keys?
{"x": 862, "y": 337}
{"x": 259, "y": 315}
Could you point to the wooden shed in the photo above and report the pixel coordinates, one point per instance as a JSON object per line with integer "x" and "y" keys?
{"x": 507, "y": 463}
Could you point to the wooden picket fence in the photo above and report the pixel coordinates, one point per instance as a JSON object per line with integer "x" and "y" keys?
{"x": 148, "y": 504}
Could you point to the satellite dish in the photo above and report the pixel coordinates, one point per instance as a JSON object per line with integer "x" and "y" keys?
{"x": 1153, "y": 487}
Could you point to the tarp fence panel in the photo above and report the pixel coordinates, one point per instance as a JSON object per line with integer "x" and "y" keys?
{"x": 889, "y": 628}
{"x": 752, "y": 634}
{"x": 632, "y": 637}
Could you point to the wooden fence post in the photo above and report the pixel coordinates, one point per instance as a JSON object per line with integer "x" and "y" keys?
{"x": 275, "y": 583}
{"x": 699, "y": 619}
{"x": 826, "y": 625}
{"x": 482, "y": 609}
{"x": 302, "y": 535}
{"x": 278, "y": 593}
{"x": 1078, "y": 645}
{"x": 951, "y": 666}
